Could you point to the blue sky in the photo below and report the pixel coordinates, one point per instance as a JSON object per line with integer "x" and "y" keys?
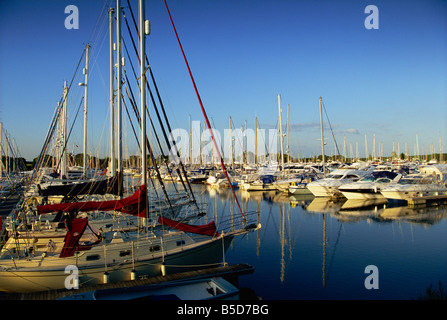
{"x": 390, "y": 82}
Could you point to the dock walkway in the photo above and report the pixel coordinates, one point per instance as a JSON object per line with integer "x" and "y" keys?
{"x": 422, "y": 201}
{"x": 229, "y": 272}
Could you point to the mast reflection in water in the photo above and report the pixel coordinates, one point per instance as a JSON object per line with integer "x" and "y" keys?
{"x": 315, "y": 248}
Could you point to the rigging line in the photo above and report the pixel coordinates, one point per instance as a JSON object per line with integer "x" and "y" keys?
{"x": 203, "y": 111}
{"x": 135, "y": 109}
{"x": 69, "y": 134}
{"x": 53, "y": 123}
{"x": 332, "y": 132}
{"x": 240, "y": 142}
{"x": 147, "y": 141}
{"x": 137, "y": 113}
{"x": 151, "y": 154}
{"x": 181, "y": 172}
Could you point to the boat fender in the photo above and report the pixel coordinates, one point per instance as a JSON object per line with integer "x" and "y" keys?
{"x": 105, "y": 277}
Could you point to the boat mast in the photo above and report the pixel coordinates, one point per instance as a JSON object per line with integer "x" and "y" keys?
{"x": 322, "y": 140}
{"x": 280, "y": 133}
{"x": 112, "y": 107}
{"x": 256, "y": 143}
{"x": 143, "y": 92}
{"x": 63, "y": 170}
{"x": 118, "y": 76}
{"x": 231, "y": 147}
{"x": 85, "y": 84}
{"x": 288, "y": 146}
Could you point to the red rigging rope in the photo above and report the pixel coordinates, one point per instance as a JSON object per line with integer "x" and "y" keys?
{"x": 203, "y": 111}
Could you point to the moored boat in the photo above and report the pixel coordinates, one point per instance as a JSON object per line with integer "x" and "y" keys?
{"x": 329, "y": 186}
{"x": 216, "y": 288}
{"x": 368, "y": 188}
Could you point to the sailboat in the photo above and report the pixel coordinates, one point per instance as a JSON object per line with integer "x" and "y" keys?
{"x": 88, "y": 255}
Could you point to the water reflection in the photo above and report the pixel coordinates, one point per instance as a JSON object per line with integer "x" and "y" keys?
{"x": 304, "y": 239}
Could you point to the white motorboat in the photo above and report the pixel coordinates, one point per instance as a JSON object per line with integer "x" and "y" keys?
{"x": 299, "y": 187}
{"x": 368, "y": 188}
{"x": 329, "y": 186}
{"x": 414, "y": 185}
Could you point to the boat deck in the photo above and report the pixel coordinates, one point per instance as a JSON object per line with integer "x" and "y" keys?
{"x": 229, "y": 272}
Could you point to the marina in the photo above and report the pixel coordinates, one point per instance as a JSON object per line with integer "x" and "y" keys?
{"x": 151, "y": 211}
{"x": 318, "y": 247}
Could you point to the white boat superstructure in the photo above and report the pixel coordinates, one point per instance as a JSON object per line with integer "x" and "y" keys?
{"x": 329, "y": 186}
{"x": 368, "y": 188}
{"x": 414, "y": 185}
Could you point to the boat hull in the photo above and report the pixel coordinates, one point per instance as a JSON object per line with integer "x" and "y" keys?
{"x": 323, "y": 190}
{"x": 407, "y": 193}
{"x": 362, "y": 194}
{"x": 297, "y": 190}
{"x": 30, "y": 279}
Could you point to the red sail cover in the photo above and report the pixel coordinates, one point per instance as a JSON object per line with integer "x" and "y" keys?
{"x": 207, "y": 229}
{"x": 134, "y": 205}
{"x": 75, "y": 230}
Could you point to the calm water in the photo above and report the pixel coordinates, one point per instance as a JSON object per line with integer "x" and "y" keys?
{"x": 318, "y": 249}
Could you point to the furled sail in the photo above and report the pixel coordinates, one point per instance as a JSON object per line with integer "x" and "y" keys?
{"x": 134, "y": 205}
{"x": 207, "y": 229}
{"x": 75, "y": 230}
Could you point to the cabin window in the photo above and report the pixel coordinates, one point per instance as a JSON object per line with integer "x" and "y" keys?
{"x": 92, "y": 257}
{"x": 181, "y": 242}
{"x": 125, "y": 253}
{"x": 154, "y": 248}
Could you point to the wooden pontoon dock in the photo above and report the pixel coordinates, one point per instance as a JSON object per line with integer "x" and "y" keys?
{"x": 229, "y": 272}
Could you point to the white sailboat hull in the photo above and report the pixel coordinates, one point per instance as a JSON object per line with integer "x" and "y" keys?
{"x": 49, "y": 273}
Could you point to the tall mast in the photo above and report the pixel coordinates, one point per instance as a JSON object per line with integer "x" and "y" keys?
{"x": 86, "y": 71}
{"x": 231, "y": 146}
{"x": 288, "y": 146}
{"x": 441, "y": 158}
{"x": 322, "y": 139}
{"x": 190, "y": 141}
{"x": 256, "y": 142}
{"x": 280, "y": 133}
{"x": 143, "y": 93}
{"x": 366, "y": 148}
{"x": 112, "y": 106}
{"x": 63, "y": 170}
{"x": 118, "y": 76}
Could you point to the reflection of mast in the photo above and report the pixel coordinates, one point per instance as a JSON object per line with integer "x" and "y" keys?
{"x": 282, "y": 241}
{"x": 324, "y": 250}
{"x": 258, "y": 239}
{"x": 290, "y": 233}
